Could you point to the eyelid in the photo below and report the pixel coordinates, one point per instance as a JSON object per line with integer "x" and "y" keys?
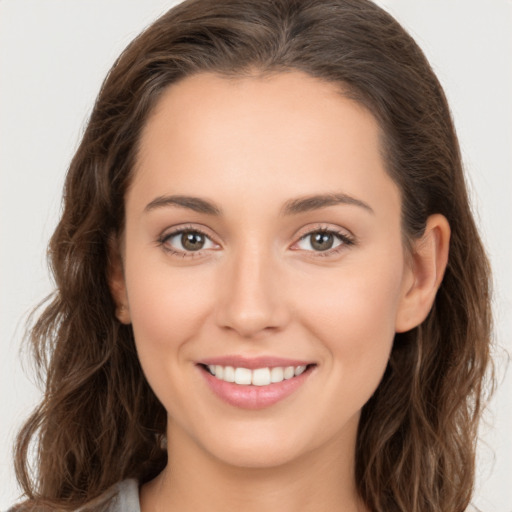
{"x": 177, "y": 230}
{"x": 347, "y": 238}
{"x": 344, "y": 235}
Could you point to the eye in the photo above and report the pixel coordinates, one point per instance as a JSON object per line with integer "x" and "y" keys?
{"x": 323, "y": 240}
{"x": 187, "y": 240}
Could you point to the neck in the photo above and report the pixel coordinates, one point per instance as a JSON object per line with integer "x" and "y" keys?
{"x": 194, "y": 480}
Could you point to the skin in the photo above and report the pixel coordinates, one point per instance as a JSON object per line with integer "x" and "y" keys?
{"x": 258, "y": 287}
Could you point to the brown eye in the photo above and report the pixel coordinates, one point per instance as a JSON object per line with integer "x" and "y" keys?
{"x": 322, "y": 241}
{"x": 192, "y": 240}
{"x": 187, "y": 241}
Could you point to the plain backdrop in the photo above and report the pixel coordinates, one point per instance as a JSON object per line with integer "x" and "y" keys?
{"x": 54, "y": 55}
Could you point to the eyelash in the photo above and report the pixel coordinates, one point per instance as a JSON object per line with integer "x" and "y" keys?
{"x": 164, "y": 238}
{"x": 345, "y": 239}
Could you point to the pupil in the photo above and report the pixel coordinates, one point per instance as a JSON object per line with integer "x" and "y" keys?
{"x": 322, "y": 241}
{"x": 192, "y": 241}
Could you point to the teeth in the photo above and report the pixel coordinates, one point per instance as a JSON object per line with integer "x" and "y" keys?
{"x": 289, "y": 372}
{"x": 229, "y": 374}
{"x": 256, "y": 377}
{"x": 276, "y": 374}
{"x": 243, "y": 376}
{"x": 299, "y": 369}
{"x": 261, "y": 377}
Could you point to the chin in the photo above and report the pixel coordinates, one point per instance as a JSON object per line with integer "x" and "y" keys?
{"x": 260, "y": 445}
{"x": 257, "y": 456}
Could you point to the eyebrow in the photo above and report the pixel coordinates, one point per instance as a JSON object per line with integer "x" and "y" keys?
{"x": 192, "y": 203}
{"x": 315, "y": 202}
{"x": 291, "y": 207}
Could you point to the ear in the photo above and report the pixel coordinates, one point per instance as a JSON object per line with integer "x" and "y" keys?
{"x": 116, "y": 281}
{"x": 428, "y": 260}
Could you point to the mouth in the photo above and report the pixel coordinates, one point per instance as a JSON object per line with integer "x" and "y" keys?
{"x": 257, "y": 387}
{"x": 256, "y": 377}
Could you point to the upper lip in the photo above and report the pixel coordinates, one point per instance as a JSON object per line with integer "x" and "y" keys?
{"x": 252, "y": 363}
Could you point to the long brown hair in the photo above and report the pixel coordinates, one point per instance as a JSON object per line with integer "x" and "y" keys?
{"x": 99, "y": 421}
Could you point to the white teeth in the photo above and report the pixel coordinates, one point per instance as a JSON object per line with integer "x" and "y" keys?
{"x": 243, "y": 376}
{"x": 256, "y": 377}
{"x": 229, "y": 374}
{"x": 276, "y": 374}
{"x": 289, "y": 372}
{"x": 299, "y": 370}
{"x": 261, "y": 377}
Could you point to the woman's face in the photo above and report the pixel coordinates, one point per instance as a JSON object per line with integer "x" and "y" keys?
{"x": 262, "y": 233}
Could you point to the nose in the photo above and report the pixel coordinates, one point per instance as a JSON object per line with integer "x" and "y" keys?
{"x": 253, "y": 296}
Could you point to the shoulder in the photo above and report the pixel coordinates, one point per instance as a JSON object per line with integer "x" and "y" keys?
{"x": 121, "y": 497}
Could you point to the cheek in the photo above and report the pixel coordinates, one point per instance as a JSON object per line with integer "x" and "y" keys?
{"x": 167, "y": 306}
{"x": 167, "y": 309}
{"x": 353, "y": 313}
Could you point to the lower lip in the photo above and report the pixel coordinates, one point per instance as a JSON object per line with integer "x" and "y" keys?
{"x": 254, "y": 397}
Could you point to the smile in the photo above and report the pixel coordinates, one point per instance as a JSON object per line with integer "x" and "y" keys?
{"x": 256, "y": 377}
{"x": 266, "y": 382}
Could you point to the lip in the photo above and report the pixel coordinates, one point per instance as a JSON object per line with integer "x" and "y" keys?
{"x": 251, "y": 363}
{"x": 254, "y": 397}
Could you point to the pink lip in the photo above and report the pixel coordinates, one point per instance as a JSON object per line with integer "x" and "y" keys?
{"x": 254, "y": 397}
{"x": 252, "y": 363}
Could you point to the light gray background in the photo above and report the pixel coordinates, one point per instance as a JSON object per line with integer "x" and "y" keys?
{"x": 53, "y": 57}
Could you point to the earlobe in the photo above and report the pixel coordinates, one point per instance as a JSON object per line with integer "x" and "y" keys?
{"x": 429, "y": 257}
{"x": 123, "y": 314}
{"x": 116, "y": 282}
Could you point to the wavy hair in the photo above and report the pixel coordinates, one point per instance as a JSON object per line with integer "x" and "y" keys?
{"x": 99, "y": 422}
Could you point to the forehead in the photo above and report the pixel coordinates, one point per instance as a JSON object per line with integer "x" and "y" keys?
{"x": 289, "y": 132}
{"x": 207, "y": 102}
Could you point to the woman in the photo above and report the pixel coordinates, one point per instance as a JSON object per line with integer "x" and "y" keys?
{"x": 271, "y": 291}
